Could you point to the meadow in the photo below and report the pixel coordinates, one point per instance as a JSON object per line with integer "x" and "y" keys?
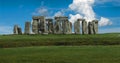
{"x": 100, "y": 48}
{"x": 7, "y": 41}
{"x": 61, "y": 54}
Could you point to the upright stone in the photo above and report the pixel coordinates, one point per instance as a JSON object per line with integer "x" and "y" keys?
{"x": 95, "y": 26}
{"x": 90, "y": 28}
{"x": 35, "y": 25}
{"x": 57, "y": 27}
{"x": 60, "y": 25}
{"x": 65, "y": 26}
{"x": 69, "y": 27}
{"x": 19, "y": 31}
{"x": 39, "y": 25}
{"x": 15, "y": 30}
{"x": 50, "y": 26}
{"x": 84, "y": 27}
{"x": 27, "y": 27}
{"x": 77, "y": 27}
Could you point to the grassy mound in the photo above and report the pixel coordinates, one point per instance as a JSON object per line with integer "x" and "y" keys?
{"x": 57, "y": 40}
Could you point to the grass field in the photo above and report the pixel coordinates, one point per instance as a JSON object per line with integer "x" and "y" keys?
{"x": 58, "y": 40}
{"x": 61, "y": 54}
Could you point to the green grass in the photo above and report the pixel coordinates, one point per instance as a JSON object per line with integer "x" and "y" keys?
{"x": 61, "y": 54}
{"x": 57, "y": 40}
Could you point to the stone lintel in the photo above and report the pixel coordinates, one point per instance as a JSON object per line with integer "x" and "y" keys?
{"x": 38, "y": 17}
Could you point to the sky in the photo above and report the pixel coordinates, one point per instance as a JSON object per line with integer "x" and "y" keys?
{"x": 19, "y": 11}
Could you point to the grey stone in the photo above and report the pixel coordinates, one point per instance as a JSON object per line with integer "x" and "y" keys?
{"x": 19, "y": 31}
{"x": 27, "y": 27}
{"x": 77, "y": 27}
{"x": 50, "y": 27}
{"x": 95, "y": 26}
{"x": 35, "y": 26}
{"x": 61, "y": 25}
{"x": 69, "y": 27}
{"x": 84, "y": 27}
{"x": 39, "y": 25}
{"x": 57, "y": 26}
{"x": 15, "y": 30}
{"x": 90, "y": 28}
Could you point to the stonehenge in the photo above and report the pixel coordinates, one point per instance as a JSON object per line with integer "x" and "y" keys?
{"x": 27, "y": 27}
{"x": 39, "y": 25}
{"x": 95, "y": 26}
{"x": 58, "y": 25}
{"x": 50, "y": 27}
{"x": 84, "y": 26}
{"x": 17, "y": 30}
{"x": 77, "y": 27}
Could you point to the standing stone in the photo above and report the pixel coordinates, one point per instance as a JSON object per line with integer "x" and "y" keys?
{"x": 50, "y": 26}
{"x": 95, "y": 26}
{"x": 15, "y": 30}
{"x": 90, "y": 28}
{"x": 65, "y": 26}
{"x": 57, "y": 28}
{"x": 27, "y": 27}
{"x": 69, "y": 27}
{"x": 35, "y": 26}
{"x": 84, "y": 26}
{"x": 39, "y": 25}
{"x": 19, "y": 31}
{"x": 60, "y": 27}
{"x": 77, "y": 27}
{"x": 42, "y": 25}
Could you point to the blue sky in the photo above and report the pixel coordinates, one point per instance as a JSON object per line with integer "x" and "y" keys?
{"x": 19, "y": 11}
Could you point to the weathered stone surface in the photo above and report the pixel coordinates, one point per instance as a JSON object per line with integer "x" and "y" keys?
{"x": 77, "y": 27}
{"x": 15, "y": 30}
{"x": 95, "y": 26}
{"x": 64, "y": 26}
{"x": 61, "y": 25}
{"x": 90, "y": 28}
{"x": 69, "y": 27}
{"x": 84, "y": 27}
{"x": 50, "y": 27}
{"x": 57, "y": 26}
{"x": 35, "y": 26}
{"x": 19, "y": 30}
{"x": 39, "y": 25}
{"x": 27, "y": 27}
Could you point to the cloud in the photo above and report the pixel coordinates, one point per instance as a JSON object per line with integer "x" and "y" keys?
{"x": 61, "y": 12}
{"x": 6, "y": 30}
{"x": 74, "y": 17}
{"x": 104, "y": 22}
{"x": 41, "y": 11}
{"x": 84, "y": 9}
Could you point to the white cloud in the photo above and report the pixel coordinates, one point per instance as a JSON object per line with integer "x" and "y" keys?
{"x": 59, "y": 13}
{"x": 41, "y": 11}
{"x": 6, "y": 30}
{"x": 74, "y": 17}
{"x": 104, "y": 22}
{"x": 84, "y": 8}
